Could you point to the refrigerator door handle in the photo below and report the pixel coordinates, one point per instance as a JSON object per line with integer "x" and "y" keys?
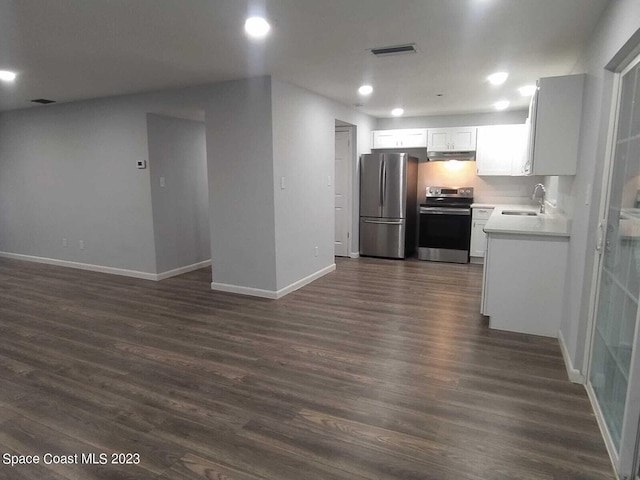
{"x": 384, "y": 222}
{"x": 380, "y": 192}
{"x": 384, "y": 180}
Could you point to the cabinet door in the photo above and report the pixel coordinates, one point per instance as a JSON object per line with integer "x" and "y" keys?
{"x": 414, "y": 138}
{"x": 439, "y": 139}
{"x": 500, "y": 149}
{"x": 385, "y": 139}
{"x": 478, "y": 239}
{"x": 463, "y": 138}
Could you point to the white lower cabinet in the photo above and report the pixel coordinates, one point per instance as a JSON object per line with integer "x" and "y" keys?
{"x": 523, "y": 283}
{"x": 478, "y": 246}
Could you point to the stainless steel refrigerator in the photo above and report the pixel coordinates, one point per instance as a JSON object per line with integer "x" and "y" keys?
{"x": 388, "y": 204}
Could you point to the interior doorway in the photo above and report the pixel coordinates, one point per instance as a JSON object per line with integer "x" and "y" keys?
{"x": 342, "y": 203}
{"x": 179, "y": 190}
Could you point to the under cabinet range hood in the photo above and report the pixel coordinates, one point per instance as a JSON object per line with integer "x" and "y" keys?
{"x": 444, "y": 156}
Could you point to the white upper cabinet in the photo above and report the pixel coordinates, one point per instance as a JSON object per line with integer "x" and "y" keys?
{"x": 452, "y": 139}
{"x": 414, "y": 138}
{"x": 439, "y": 139}
{"x": 554, "y": 116}
{"x": 402, "y": 138}
{"x": 501, "y": 149}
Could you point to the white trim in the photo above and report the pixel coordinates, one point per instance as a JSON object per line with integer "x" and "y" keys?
{"x": 352, "y": 161}
{"x": 182, "y": 270}
{"x": 608, "y": 441}
{"x": 305, "y": 281}
{"x": 573, "y": 373}
{"x": 253, "y": 292}
{"x": 354, "y": 255}
{"x": 81, "y": 266}
{"x": 271, "y": 294}
{"x": 607, "y": 174}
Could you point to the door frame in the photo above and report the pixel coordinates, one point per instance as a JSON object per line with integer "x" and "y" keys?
{"x": 349, "y": 200}
{"x": 627, "y": 455}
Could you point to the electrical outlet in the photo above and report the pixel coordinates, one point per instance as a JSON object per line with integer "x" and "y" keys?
{"x": 282, "y": 183}
{"x": 162, "y": 183}
{"x": 81, "y": 244}
{"x": 316, "y": 251}
{"x": 329, "y": 181}
{"x": 64, "y": 242}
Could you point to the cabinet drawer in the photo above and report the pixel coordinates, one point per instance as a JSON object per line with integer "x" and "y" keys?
{"x": 482, "y": 213}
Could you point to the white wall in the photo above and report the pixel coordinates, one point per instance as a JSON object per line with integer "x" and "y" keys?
{"x": 504, "y": 190}
{"x": 620, "y": 21}
{"x": 69, "y": 171}
{"x": 241, "y": 195}
{"x": 178, "y": 155}
{"x": 304, "y": 154}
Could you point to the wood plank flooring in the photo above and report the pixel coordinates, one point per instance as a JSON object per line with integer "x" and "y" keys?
{"x": 381, "y": 370}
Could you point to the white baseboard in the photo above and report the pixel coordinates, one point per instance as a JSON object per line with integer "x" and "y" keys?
{"x": 354, "y": 255}
{"x": 305, "y": 281}
{"x": 81, "y": 266}
{"x": 102, "y": 269}
{"x": 271, "y": 294}
{"x": 186, "y": 269}
{"x": 574, "y": 374}
{"x": 252, "y": 292}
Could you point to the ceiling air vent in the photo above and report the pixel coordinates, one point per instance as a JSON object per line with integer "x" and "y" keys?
{"x": 396, "y": 50}
{"x": 42, "y": 101}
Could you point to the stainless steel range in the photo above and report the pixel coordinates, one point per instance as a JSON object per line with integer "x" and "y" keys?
{"x": 445, "y": 225}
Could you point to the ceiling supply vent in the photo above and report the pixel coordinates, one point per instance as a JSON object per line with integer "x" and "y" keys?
{"x": 396, "y": 50}
{"x": 42, "y": 101}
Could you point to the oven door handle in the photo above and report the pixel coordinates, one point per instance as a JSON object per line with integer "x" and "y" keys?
{"x": 445, "y": 211}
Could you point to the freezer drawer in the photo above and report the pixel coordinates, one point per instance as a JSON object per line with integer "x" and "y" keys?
{"x": 382, "y": 237}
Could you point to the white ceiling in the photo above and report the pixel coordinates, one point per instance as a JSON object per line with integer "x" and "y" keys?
{"x": 70, "y": 50}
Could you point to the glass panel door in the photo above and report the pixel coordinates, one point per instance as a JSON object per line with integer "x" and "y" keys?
{"x": 619, "y": 286}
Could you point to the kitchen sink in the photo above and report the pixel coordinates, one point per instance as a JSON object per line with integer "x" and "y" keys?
{"x": 524, "y": 213}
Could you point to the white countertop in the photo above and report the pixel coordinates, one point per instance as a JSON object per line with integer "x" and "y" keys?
{"x": 546, "y": 224}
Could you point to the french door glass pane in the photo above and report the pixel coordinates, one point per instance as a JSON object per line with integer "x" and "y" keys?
{"x": 620, "y": 279}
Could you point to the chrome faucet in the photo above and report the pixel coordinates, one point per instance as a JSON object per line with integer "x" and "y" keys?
{"x": 539, "y": 186}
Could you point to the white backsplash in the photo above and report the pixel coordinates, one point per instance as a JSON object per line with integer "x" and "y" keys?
{"x": 498, "y": 190}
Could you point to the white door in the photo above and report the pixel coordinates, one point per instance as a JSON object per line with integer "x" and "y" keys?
{"x": 342, "y": 177}
{"x": 614, "y": 377}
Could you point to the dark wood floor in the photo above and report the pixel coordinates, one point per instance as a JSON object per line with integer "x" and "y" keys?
{"x": 381, "y": 370}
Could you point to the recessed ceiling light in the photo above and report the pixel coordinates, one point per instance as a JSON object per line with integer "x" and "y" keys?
{"x": 257, "y": 27}
{"x": 498, "y": 78}
{"x": 365, "y": 90}
{"x": 527, "y": 90}
{"x": 397, "y": 112}
{"x": 7, "y": 76}
{"x": 501, "y": 105}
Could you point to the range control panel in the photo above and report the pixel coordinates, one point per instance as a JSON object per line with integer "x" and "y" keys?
{"x": 460, "y": 192}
